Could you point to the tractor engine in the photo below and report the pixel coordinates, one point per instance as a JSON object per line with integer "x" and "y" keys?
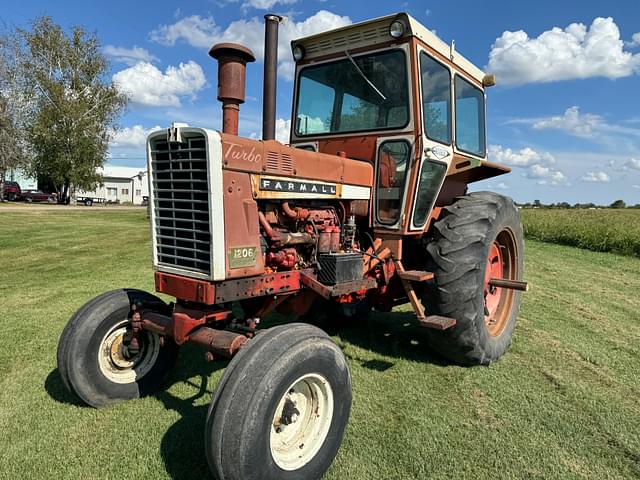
{"x": 226, "y": 207}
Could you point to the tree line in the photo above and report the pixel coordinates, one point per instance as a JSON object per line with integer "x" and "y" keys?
{"x": 58, "y": 107}
{"x": 539, "y": 204}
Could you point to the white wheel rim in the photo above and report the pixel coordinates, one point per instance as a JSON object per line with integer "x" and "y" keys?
{"x": 122, "y": 370}
{"x": 308, "y": 407}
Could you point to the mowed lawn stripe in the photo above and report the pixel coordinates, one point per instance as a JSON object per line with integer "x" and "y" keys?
{"x": 563, "y": 402}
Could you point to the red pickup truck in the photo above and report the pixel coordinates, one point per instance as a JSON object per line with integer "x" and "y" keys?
{"x": 12, "y": 191}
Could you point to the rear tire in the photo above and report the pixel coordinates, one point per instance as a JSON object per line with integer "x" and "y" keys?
{"x": 281, "y": 407}
{"x": 90, "y": 358}
{"x": 479, "y": 237}
{"x": 88, "y": 202}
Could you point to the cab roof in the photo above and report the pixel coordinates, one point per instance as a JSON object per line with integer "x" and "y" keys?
{"x": 375, "y": 31}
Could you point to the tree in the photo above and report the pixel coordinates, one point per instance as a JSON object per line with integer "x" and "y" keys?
{"x": 14, "y": 108}
{"x": 76, "y": 107}
{"x": 618, "y": 204}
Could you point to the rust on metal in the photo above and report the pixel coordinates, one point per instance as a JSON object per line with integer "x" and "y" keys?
{"x": 437, "y": 322}
{"x": 511, "y": 284}
{"x": 219, "y": 342}
{"x": 232, "y": 60}
{"x": 309, "y": 280}
{"x": 415, "y": 275}
{"x": 273, "y": 284}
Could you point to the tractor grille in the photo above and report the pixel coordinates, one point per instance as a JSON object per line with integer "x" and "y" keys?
{"x": 181, "y": 204}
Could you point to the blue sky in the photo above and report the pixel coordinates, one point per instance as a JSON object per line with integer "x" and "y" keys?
{"x": 565, "y": 114}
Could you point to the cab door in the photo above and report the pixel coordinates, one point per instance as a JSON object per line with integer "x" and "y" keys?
{"x": 437, "y": 135}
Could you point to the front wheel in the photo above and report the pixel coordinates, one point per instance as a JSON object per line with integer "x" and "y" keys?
{"x": 281, "y": 408}
{"x": 479, "y": 238}
{"x": 95, "y": 359}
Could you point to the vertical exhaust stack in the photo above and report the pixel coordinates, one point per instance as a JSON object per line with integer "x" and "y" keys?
{"x": 271, "y": 23}
{"x": 232, "y": 64}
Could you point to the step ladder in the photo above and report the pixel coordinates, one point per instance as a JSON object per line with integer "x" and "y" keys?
{"x": 436, "y": 322}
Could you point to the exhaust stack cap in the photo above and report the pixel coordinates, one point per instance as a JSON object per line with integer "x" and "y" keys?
{"x": 232, "y": 62}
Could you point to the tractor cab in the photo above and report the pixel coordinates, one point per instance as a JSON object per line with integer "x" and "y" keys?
{"x": 390, "y": 92}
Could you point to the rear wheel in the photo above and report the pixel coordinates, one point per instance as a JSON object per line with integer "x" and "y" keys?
{"x": 88, "y": 202}
{"x": 479, "y": 238}
{"x": 96, "y": 361}
{"x": 281, "y": 408}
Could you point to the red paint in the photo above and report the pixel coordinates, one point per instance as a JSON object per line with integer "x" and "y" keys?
{"x": 186, "y": 320}
{"x": 495, "y": 269}
{"x": 185, "y": 288}
{"x": 285, "y": 258}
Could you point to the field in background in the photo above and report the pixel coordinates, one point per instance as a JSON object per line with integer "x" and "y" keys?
{"x": 601, "y": 230}
{"x": 563, "y": 402}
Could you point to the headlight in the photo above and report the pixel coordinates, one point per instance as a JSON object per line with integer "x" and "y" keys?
{"x": 298, "y": 52}
{"x": 397, "y": 29}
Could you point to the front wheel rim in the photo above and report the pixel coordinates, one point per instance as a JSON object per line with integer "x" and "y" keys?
{"x": 113, "y": 363}
{"x": 301, "y": 422}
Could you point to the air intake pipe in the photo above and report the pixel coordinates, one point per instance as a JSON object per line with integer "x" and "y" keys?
{"x": 271, "y": 23}
{"x": 232, "y": 65}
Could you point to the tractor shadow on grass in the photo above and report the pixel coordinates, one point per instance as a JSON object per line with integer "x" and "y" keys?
{"x": 394, "y": 334}
{"x": 57, "y": 391}
{"x": 182, "y": 445}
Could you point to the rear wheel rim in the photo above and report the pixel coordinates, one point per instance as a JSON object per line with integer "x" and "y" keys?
{"x": 501, "y": 264}
{"x": 301, "y": 422}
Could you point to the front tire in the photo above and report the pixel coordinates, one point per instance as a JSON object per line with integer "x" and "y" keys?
{"x": 480, "y": 237}
{"x": 281, "y": 408}
{"x": 92, "y": 360}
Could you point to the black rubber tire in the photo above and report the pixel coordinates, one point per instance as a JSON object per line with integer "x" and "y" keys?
{"x": 239, "y": 417}
{"x": 458, "y": 253}
{"x": 79, "y": 343}
{"x": 12, "y": 197}
{"x": 88, "y": 202}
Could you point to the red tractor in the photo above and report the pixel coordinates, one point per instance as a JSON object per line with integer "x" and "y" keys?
{"x": 366, "y": 209}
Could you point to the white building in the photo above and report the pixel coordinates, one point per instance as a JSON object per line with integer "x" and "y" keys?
{"x": 120, "y": 185}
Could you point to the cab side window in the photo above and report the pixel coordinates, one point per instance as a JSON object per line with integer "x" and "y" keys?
{"x": 393, "y": 162}
{"x": 436, "y": 99}
{"x": 470, "y": 129}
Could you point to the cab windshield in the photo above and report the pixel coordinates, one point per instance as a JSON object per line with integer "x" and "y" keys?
{"x": 341, "y": 97}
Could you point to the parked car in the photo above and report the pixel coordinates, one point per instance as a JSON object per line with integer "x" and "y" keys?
{"x": 12, "y": 191}
{"x": 37, "y": 196}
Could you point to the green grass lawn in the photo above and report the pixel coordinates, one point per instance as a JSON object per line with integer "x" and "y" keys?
{"x": 563, "y": 403}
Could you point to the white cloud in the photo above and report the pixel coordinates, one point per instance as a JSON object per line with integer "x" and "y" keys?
{"x": 202, "y": 32}
{"x": 502, "y": 186}
{"x": 636, "y": 186}
{"x": 538, "y": 164}
{"x": 519, "y": 158}
{"x": 573, "y": 122}
{"x": 283, "y": 130}
{"x": 195, "y": 30}
{"x": 129, "y": 56}
{"x": 145, "y": 84}
{"x": 546, "y": 175}
{"x": 573, "y": 53}
{"x": 131, "y": 137}
{"x": 266, "y": 4}
{"x": 617, "y": 137}
{"x": 633, "y": 164}
{"x": 635, "y": 41}
{"x": 596, "y": 177}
